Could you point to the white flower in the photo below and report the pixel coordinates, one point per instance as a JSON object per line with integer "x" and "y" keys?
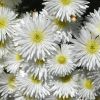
{"x": 35, "y": 38}
{"x": 65, "y": 29}
{"x": 86, "y": 89}
{"x": 86, "y": 50}
{"x": 65, "y": 86}
{"x": 64, "y": 9}
{"x": 7, "y": 84}
{"x": 7, "y": 23}
{"x": 38, "y": 68}
{"x": 31, "y": 86}
{"x": 93, "y": 23}
{"x": 62, "y": 63}
{"x": 14, "y": 61}
{"x": 9, "y": 3}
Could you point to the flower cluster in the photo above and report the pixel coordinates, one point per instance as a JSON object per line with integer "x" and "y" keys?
{"x": 49, "y": 55}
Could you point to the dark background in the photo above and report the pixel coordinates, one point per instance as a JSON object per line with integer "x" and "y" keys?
{"x": 31, "y": 5}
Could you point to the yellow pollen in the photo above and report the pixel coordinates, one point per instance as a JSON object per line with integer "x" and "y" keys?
{"x": 59, "y": 23}
{"x": 92, "y": 46}
{"x": 11, "y": 81}
{"x": 3, "y": 22}
{"x": 35, "y": 80}
{"x": 39, "y": 62}
{"x": 61, "y": 59}
{"x": 37, "y": 37}
{"x": 88, "y": 84}
{"x": 66, "y": 78}
{"x": 18, "y": 57}
{"x": 65, "y": 2}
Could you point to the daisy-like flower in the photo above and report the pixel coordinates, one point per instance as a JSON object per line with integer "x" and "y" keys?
{"x": 86, "y": 50}
{"x": 93, "y": 23}
{"x": 62, "y": 63}
{"x": 38, "y": 68}
{"x": 86, "y": 89}
{"x": 9, "y": 3}
{"x": 63, "y": 25}
{"x": 65, "y": 86}
{"x": 65, "y": 29}
{"x": 14, "y": 61}
{"x": 35, "y": 38}
{"x": 31, "y": 86}
{"x": 7, "y": 85}
{"x": 7, "y": 23}
{"x": 64, "y": 9}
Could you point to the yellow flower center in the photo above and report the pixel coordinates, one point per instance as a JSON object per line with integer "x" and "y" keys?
{"x": 18, "y": 57}
{"x": 37, "y": 37}
{"x": 92, "y": 46}
{"x": 66, "y": 78}
{"x": 59, "y": 23}
{"x": 3, "y": 22}
{"x": 61, "y": 59}
{"x": 40, "y": 62}
{"x": 35, "y": 80}
{"x": 88, "y": 84}
{"x": 11, "y": 81}
{"x": 65, "y": 2}
{"x": 3, "y": 44}
{"x": 64, "y": 98}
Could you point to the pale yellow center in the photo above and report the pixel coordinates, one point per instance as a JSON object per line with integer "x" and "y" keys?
{"x": 37, "y": 37}
{"x": 88, "y": 84}
{"x": 11, "y": 81}
{"x": 66, "y": 78}
{"x": 59, "y": 23}
{"x": 3, "y": 22}
{"x": 61, "y": 59}
{"x": 92, "y": 46}
{"x": 40, "y": 62}
{"x": 35, "y": 80}
{"x": 65, "y": 2}
{"x": 18, "y": 57}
